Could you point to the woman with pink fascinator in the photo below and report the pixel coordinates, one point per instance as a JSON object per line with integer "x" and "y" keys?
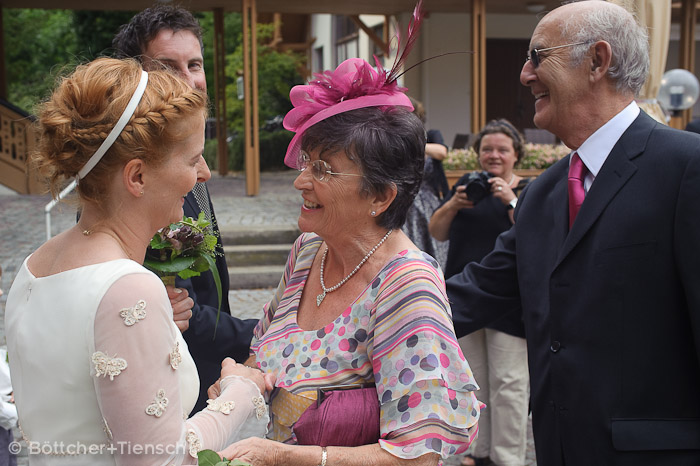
{"x": 358, "y": 334}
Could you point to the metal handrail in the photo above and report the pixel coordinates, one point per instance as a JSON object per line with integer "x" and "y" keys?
{"x": 47, "y": 208}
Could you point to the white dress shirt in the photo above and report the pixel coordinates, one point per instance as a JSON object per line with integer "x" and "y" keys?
{"x": 595, "y": 150}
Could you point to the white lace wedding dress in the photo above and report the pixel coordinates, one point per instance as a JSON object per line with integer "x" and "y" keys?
{"x": 102, "y": 375}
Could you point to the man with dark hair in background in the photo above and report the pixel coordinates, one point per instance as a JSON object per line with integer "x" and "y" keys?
{"x": 170, "y": 36}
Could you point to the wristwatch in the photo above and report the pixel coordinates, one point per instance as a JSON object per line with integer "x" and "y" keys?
{"x": 511, "y": 204}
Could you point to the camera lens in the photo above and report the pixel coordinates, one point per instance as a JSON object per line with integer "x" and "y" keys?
{"x": 477, "y": 187}
{"x": 476, "y": 191}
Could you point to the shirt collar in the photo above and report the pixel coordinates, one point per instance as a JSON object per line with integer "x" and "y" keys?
{"x": 595, "y": 150}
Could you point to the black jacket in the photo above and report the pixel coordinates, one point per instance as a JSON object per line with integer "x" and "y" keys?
{"x": 233, "y": 335}
{"x": 611, "y": 308}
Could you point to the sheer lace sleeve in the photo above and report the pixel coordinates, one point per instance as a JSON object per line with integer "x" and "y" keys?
{"x": 138, "y": 387}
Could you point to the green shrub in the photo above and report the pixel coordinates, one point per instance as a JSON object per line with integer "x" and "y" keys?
{"x": 273, "y": 146}
{"x": 539, "y": 156}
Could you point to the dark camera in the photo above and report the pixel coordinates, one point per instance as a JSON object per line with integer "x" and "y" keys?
{"x": 477, "y": 186}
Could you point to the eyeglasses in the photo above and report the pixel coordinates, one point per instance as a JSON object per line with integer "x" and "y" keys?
{"x": 534, "y": 54}
{"x": 320, "y": 169}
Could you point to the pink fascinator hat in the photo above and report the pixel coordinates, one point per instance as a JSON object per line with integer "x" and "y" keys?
{"x": 354, "y": 84}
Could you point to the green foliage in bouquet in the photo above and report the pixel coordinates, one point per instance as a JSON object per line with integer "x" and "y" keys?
{"x": 211, "y": 458}
{"x": 185, "y": 249}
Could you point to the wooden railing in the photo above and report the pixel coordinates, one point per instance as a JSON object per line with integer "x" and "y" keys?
{"x": 17, "y": 141}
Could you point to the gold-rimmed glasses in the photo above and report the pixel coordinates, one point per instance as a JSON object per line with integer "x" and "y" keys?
{"x": 534, "y": 54}
{"x": 320, "y": 169}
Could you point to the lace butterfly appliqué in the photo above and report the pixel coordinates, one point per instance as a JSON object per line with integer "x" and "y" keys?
{"x": 195, "y": 445}
{"x": 222, "y": 406}
{"x": 260, "y": 406}
{"x": 175, "y": 356}
{"x": 132, "y": 315}
{"x": 107, "y": 366}
{"x": 157, "y": 408}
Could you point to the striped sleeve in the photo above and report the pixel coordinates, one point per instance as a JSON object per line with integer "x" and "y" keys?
{"x": 293, "y": 279}
{"x": 425, "y": 386}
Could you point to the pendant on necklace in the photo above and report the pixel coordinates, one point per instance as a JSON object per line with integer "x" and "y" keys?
{"x": 319, "y": 298}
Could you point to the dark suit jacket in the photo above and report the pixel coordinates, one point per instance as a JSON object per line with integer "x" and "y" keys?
{"x": 693, "y": 125}
{"x": 611, "y": 308}
{"x": 233, "y": 335}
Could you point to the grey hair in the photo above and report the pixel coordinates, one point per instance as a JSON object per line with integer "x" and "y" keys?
{"x": 388, "y": 144}
{"x": 628, "y": 40}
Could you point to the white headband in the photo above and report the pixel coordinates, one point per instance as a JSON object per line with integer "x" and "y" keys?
{"x": 116, "y": 131}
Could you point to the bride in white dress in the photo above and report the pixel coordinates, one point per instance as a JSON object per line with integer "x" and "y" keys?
{"x": 100, "y": 371}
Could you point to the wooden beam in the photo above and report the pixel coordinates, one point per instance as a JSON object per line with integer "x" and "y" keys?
{"x": 220, "y": 91}
{"x": 250, "y": 80}
{"x": 253, "y": 186}
{"x": 385, "y": 36}
{"x": 378, "y": 41}
{"x": 687, "y": 46}
{"x": 677, "y": 5}
{"x": 686, "y": 59}
{"x": 3, "y": 69}
{"x": 277, "y": 38}
{"x": 297, "y": 46}
{"x": 478, "y": 93}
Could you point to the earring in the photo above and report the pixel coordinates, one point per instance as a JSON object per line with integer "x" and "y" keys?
{"x": 373, "y": 213}
{"x": 141, "y": 193}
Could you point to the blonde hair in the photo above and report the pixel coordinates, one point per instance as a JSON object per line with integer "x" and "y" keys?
{"x": 84, "y": 108}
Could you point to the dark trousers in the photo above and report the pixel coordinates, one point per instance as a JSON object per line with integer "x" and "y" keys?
{"x": 6, "y": 458}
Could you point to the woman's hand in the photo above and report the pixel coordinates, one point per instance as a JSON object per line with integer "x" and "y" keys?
{"x": 501, "y": 190}
{"x": 265, "y": 382}
{"x": 261, "y": 452}
{"x": 256, "y": 451}
{"x": 459, "y": 200}
{"x": 231, "y": 367}
{"x": 441, "y": 220}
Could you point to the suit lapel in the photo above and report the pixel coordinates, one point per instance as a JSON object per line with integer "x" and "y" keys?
{"x": 559, "y": 204}
{"x": 614, "y": 174}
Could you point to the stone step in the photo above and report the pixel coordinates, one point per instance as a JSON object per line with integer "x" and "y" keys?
{"x": 257, "y": 254}
{"x": 259, "y": 234}
{"x": 255, "y": 276}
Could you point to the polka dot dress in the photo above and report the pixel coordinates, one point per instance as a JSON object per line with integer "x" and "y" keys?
{"x": 398, "y": 333}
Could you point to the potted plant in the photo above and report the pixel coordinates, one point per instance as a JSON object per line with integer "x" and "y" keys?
{"x": 537, "y": 158}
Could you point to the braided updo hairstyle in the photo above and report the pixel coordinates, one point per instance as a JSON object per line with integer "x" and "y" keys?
{"x": 86, "y": 105}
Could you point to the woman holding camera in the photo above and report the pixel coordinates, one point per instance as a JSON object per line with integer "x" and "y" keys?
{"x": 498, "y": 354}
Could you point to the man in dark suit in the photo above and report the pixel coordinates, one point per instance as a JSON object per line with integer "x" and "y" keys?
{"x": 693, "y": 125}
{"x": 610, "y": 302}
{"x": 170, "y": 36}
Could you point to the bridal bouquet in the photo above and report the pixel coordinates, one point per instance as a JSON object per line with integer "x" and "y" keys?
{"x": 185, "y": 249}
{"x": 211, "y": 458}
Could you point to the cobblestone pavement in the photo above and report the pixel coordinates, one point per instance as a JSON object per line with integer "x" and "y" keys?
{"x": 23, "y": 229}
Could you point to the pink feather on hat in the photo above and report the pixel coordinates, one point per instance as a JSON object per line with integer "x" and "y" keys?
{"x": 354, "y": 84}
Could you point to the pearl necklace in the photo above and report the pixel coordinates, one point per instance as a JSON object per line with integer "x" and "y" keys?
{"x": 320, "y": 297}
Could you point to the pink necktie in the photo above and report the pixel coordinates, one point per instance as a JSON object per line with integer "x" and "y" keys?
{"x": 577, "y": 172}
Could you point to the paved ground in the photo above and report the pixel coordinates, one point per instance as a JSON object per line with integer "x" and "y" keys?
{"x": 23, "y": 224}
{"x": 23, "y": 229}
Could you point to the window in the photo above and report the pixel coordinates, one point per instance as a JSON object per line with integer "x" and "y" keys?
{"x": 374, "y": 48}
{"x": 346, "y": 39}
{"x": 317, "y": 64}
